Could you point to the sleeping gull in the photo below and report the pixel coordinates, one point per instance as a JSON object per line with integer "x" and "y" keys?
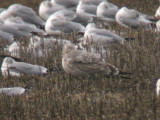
{"x": 57, "y": 27}
{"x": 18, "y": 23}
{"x": 132, "y": 18}
{"x": 86, "y": 9}
{"x": 47, "y": 8}
{"x": 14, "y": 68}
{"x": 26, "y": 13}
{"x": 72, "y": 16}
{"x": 106, "y": 12}
{"x": 82, "y": 63}
{"x": 12, "y": 91}
{"x": 13, "y": 30}
{"x": 101, "y": 36}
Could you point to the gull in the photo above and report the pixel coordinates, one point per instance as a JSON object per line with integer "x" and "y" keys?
{"x": 82, "y": 63}
{"x": 106, "y": 12}
{"x": 18, "y": 23}
{"x": 158, "y": 87}
{"x": 72, "y": 16}
{"x": 57, "y": 27}
{"x": 16, "y": 49}
{"x": 101, "y": 36}
{"x": 12, "y": 91}
{"x": 26, "y": 13}
{"x": 13, "y": 30}
{"x": 14, "y": 68}
{"x": 67, "y": 3}
{"x": 37, "y": 42}
{"x": 86, "y": 9}
{"x": 47, "y": 8}
{"x": 132, "y": 18}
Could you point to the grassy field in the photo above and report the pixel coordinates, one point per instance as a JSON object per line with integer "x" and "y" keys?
{"x": 60, "y": 96}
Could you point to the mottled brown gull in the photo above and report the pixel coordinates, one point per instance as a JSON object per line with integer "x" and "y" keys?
{"x": 82, "y": 63}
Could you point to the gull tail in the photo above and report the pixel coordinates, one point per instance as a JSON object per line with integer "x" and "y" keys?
{"x": 129, "y": 39}
{"x": 124, "y": 73}
{"x": 121, "y": 73}
{"x": 125, "y": 77}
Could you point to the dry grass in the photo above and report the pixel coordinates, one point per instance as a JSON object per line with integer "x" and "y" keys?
{"x": 60, "y": 96}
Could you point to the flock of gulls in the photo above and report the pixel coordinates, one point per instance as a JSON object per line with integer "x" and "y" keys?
{"x": 66, "y": 17}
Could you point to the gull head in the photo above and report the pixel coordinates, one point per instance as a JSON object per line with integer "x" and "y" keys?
{"x": 8, "y": 61}
{"x": 68, "y": 47}
{"x": 90, "y": 26}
